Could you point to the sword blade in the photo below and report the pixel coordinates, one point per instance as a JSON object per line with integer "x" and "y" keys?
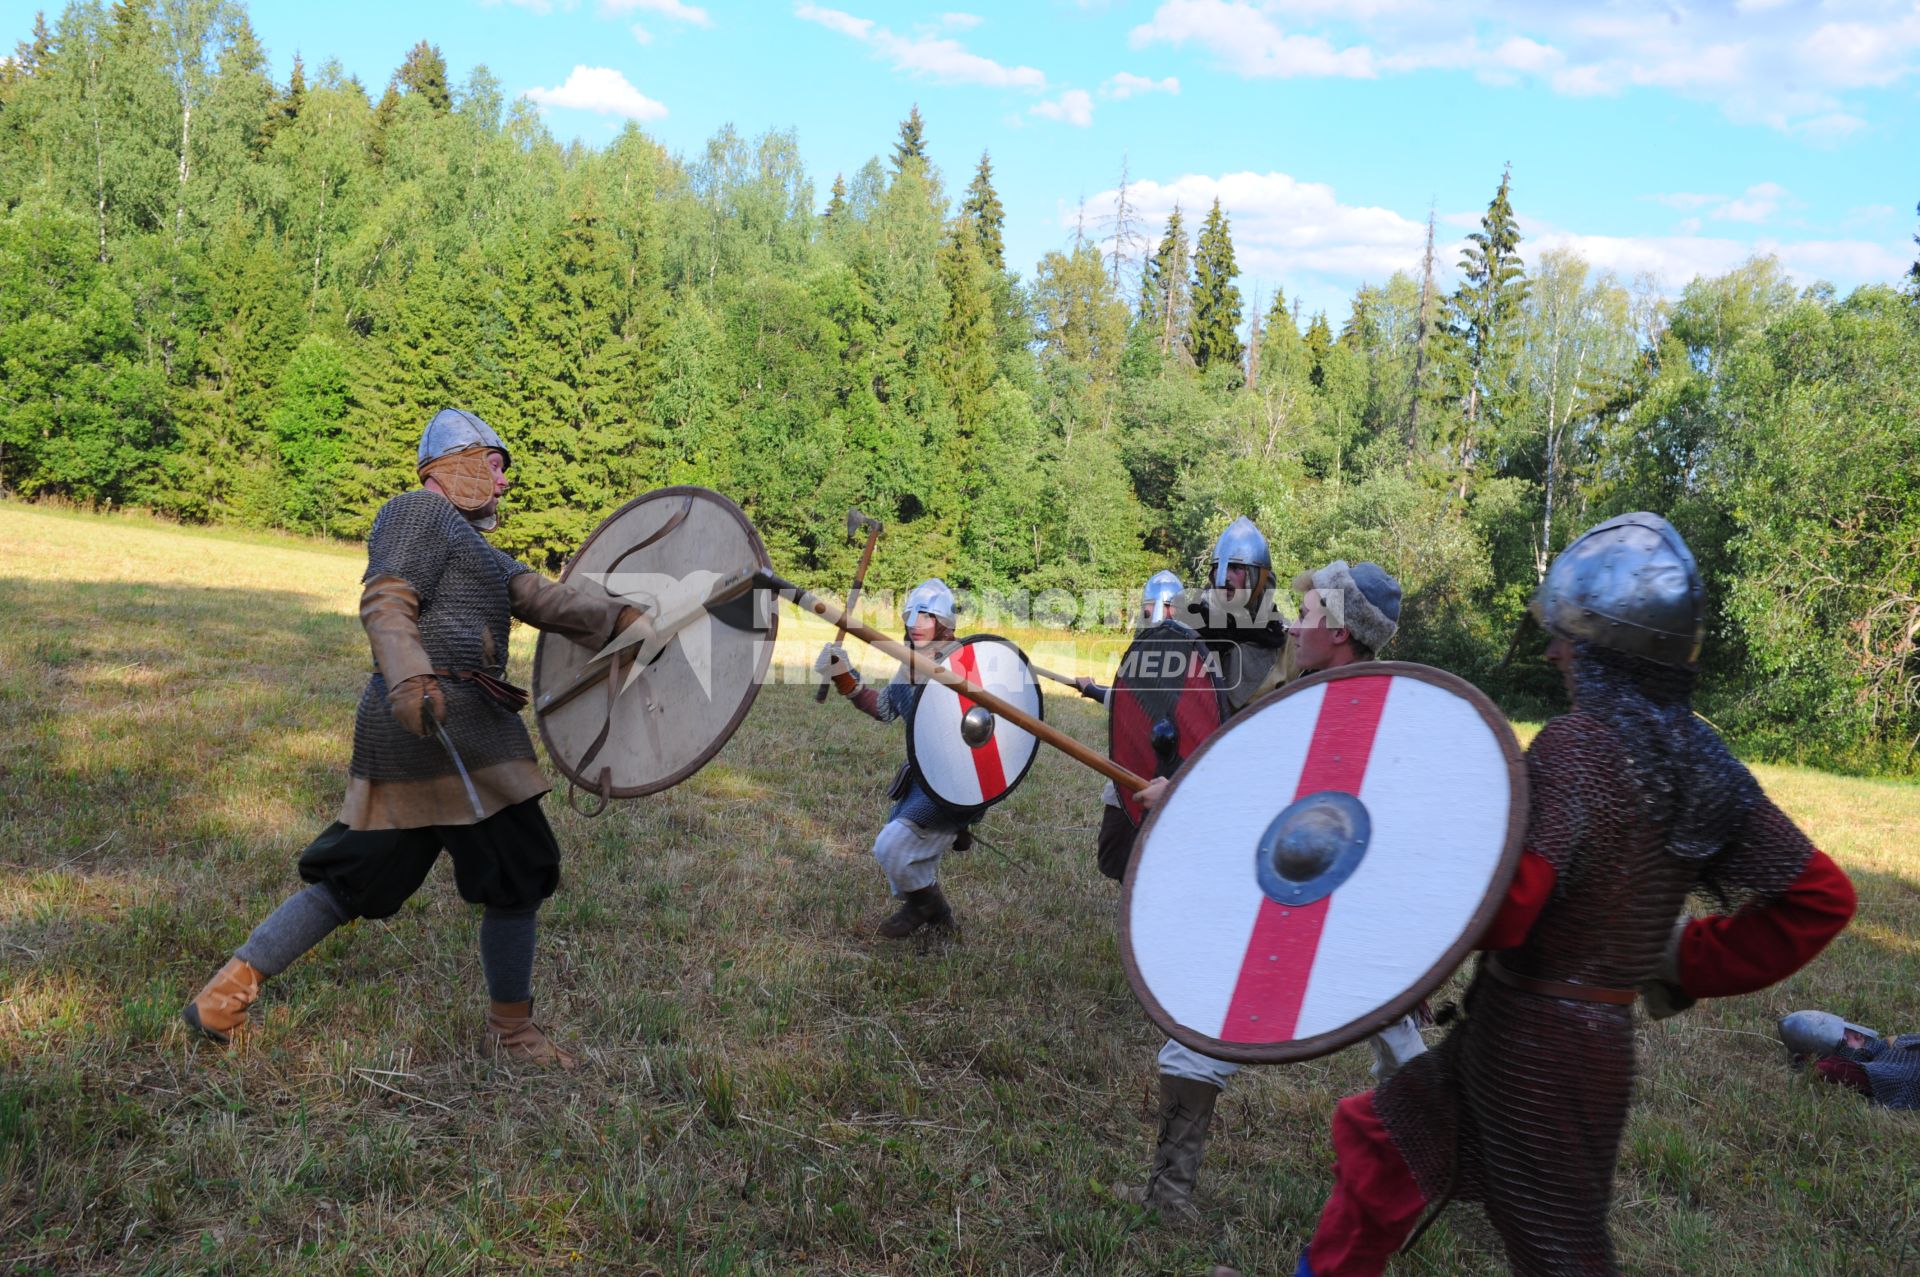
{"x": 479, "y": 812}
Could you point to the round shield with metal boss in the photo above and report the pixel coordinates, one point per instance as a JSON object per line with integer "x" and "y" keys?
{"x": 966, "y": 756}
{"x": 636, "y": 717}
{"x": 1165, "y": 700}
{"x": 1323, "y": 862}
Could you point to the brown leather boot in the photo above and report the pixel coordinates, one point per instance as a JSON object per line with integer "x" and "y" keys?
{"x": 514, "y": 1037}
{"x": 923, "y": 908}
{"x": 1186, "y": 1111}
{"x": 220, "y": 1010}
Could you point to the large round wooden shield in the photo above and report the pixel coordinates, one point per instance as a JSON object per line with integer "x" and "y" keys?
{"x": 968, "y": 757}
{"x": 1323, "y": 862}
{"x": 1165, "y": 700}
{"x": 636, "y": 732}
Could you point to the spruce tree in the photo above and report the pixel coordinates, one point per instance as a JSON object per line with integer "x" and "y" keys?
{"x": 1913, "y": 271}
{"x": 1319, "y": 341}
{"x": 425, "y": 73}
{"x": 1215, "y": 337}
{"x": 837, "y": 201}
{"x": 1165, "y": 299}
{"x": 27, "y": 56}
{"x": 1486, "y": 313}
{"x": 987, "y": 216}
{"x": 913, "y": 141}
{"x": 286, "y": 107}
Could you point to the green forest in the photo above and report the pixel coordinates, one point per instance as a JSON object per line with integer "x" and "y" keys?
{"x": 231, "y": 300}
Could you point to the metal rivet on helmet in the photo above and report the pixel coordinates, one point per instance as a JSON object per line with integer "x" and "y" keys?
{"x": 1630, "y": 584}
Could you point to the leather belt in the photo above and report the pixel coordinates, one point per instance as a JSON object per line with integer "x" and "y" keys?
{"x": 1556, "y": 988}
{"x": 498, "y": 690}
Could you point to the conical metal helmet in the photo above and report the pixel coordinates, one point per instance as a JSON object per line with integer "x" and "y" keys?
{"x": 453, "y": 429}
{"x": 1160, "y": 597}
{"x": 1629, "y": 584}
{"x": 932, "y": 597}
{"x": 1241, "y": 543}
{"x": 1818, "y": 1032}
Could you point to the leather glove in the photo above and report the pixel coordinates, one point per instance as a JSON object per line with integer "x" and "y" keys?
{"x": 834, "y": 665}
{"x": 1662, "y": 995}
{"x": 1090, "y": 689}
{"x": 414, "y": 700}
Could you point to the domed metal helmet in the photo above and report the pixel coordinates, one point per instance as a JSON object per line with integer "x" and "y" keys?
{"x": 1160, "y": 598}
{"x": 1629, "y": 584}
{"x": 932, "y": 597}
{"x": 454, "y": 429}
{"x": 1242, "y": 545}
{"x": 1818, "y": 1032}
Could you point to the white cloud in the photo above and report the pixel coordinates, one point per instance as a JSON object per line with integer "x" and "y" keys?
{"x": 1301, "y": 236}
{"x": 934, "y": 56}
{"x": 1126, "y": 85}
{"x": 1244, "y": 38}
{"x": 1284, "y": 228}
{"x": 1867, "y": 214}
{"x": 1074, "y": 107}
{"x": 641, "y": 34}
{"x": 960, "y": 21}
{"x": 601, "y": 90}
{"x": 1789, "y": 67}
{"x": 1675, "y": 260}
{"x": 673, "y": 9}
{"x": 1757, "y": 205}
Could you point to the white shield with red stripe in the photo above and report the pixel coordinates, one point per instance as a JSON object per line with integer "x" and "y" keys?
{"x": 968, "y": 757}
{"x": 1323, "y": 862}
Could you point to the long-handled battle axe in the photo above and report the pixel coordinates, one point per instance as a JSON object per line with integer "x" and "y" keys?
{"x": 855, "y": 521}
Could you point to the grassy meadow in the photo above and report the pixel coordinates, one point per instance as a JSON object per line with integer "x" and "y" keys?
{"x": 769, "y": 1089}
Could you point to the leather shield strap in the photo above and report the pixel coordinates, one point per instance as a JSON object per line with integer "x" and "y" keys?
{"x": 1557, "y": 988}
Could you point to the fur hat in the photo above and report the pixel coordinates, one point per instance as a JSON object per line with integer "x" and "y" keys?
{"x": 1361, "y": 599}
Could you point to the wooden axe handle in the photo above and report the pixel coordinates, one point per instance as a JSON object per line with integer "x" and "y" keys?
{"x": 853, "y": 596}
{"x": 927, "y": 668}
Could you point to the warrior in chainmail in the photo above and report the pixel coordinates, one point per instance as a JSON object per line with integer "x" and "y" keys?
{"x": 1348, "y": 613}
{"x": 919, "y": 830}
{"x": 1160, "y": 599}
{"x": 441, "y": 759}
{"x": 1886, "y": 1071}
{"x": 1634, "y": 804}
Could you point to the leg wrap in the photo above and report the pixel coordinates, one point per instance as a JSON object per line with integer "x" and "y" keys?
{"x": 506, "y": 952}
{"x": 302, "y": 921}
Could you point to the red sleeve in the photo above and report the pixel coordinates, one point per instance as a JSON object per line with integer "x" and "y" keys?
{"x": 867, "y": 701}
{"x": 1532, "y": 887}
{"x": 1728, "y": 954}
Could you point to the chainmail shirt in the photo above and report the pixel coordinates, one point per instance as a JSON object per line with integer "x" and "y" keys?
{"x": 1892, "y": 1069}
{"x": 1521, "y": 1107}
{"x": 461, "y": 582}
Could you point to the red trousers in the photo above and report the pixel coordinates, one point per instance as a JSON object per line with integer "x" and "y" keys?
{"x": 1375, "y": 1202}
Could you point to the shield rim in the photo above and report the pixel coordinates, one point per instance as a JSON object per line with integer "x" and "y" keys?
{"x": 719, "y": 742}
{"x": 1219, "y": 699}
{"x": 1355, "y": 1031}
{"x": 1039, "y": 712}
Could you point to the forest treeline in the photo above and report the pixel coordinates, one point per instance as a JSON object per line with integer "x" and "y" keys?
{"x": 234, "y": 300}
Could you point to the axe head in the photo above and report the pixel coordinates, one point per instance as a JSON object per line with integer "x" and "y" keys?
{"x": 856, "y": 521}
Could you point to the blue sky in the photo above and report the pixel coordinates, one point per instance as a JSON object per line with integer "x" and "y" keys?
{"x": 1667, "y": 138}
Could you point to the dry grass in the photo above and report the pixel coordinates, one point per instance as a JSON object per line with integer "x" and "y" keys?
{"x": 770, "y": 1090}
